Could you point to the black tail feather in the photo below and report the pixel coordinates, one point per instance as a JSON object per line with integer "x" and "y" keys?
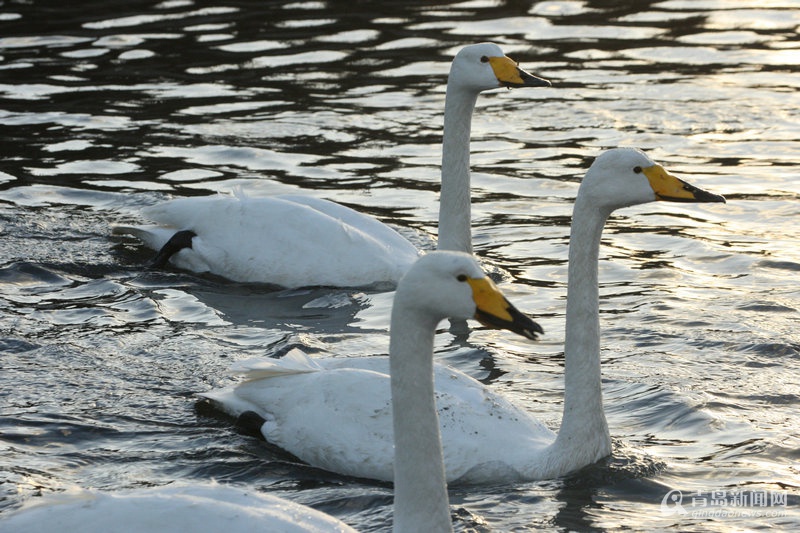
{"x": 176, "y": 243}
{"x": 249, "y": 423}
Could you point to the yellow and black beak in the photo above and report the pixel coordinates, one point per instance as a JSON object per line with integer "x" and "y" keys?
{"x": 668, "y": 187}
{"x": 494, "y": 311}
{"x": 510, "y": 75}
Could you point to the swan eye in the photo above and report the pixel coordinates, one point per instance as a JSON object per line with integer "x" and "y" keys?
{"x": 637, "y": 170}
{"x": 461, "y": 277}
{"x": 484, "y": 59}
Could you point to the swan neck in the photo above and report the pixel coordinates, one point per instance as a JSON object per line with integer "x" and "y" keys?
{"x": 583, "y": 426}
{"x": 420, "y": 487}
{"x": 454, "y": 201}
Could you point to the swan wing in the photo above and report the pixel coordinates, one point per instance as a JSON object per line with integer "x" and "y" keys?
{"x": 485, "y": 437}
{"x": 339, "y": 418}
{"x": 336, "y": 419}
{"x": 290, "y": 241}
{"x": 294, "y": 361}
{"x": 350, "y": 217}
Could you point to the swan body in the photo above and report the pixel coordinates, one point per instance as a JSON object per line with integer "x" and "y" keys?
{"x": 309, "y": 414}
{"x": 290, "y": 240}
{"x": 437, "y": 286}
{"x": 294, "y": 241}
{"x": 364, "y": 422}
{"x": 334, "y": 413}
{"x": 210, "y": 508}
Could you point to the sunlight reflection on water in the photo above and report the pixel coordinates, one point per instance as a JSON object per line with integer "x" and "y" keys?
{"x": 120, "y": 106}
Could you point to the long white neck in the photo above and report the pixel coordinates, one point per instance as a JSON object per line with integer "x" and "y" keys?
{"x": 454, "y": 201}
{"x": 420, "y": 487}
{"x": 583, "y": 437}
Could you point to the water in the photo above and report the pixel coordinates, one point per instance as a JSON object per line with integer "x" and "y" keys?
{"x": 116, "y": 105}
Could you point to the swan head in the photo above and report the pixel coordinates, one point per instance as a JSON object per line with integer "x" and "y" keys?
{"x": 445, "y": 284}
{"x": 484, "y": 66}
{"x": 623, "y": 177}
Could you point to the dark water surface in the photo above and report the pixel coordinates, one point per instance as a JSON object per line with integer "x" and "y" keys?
{"x": 106, "y": 107}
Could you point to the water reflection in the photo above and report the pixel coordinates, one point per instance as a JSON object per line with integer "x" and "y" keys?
{"x": 118, "y": 105}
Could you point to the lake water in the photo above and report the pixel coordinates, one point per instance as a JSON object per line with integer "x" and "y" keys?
{"x": 112, "y": 106}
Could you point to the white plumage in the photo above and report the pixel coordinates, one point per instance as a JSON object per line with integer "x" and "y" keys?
{"x": 200, "y": 508}
{"x": 355, "y": 417}
{"x": 438, "y": 286}
{"x": 334, "y": 413}
{"x": 289, "y": 241}
{"x": 296, "y": 241}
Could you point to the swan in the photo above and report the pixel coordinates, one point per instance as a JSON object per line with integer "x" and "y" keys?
{"x": 348, "y": 407}
{"x": 438, "y": 286}
{"x": 295, "y": 241}
{"x": 210, "y": 508}
{"x": 333, "y": 413}
{"x": 336, "y": 413}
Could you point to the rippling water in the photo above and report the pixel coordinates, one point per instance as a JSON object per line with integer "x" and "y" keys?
{"x": 111, "y": 106}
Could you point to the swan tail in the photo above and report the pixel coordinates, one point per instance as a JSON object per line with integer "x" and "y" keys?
{"x": 166, "y": 241}
{"x": 294, "y": 362}
{"x": 154, "y": 237}
{"x": 176, "y": 243}
{"x": 250, "y": 423}
{"x": 230, "y": 401}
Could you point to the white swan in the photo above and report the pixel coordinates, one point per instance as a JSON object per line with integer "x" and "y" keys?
{"x": 203, "y": 508}
{"x": 295, "y": 241}
{"x": 334, "y": 412}
{"x": 438, "y": 286}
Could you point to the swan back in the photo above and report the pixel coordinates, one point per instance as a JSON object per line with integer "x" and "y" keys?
{"x": 287, "y": 240}
{"x": 181, "y": 507}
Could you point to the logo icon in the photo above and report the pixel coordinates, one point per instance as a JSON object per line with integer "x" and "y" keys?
{"x": 672, "y": 503}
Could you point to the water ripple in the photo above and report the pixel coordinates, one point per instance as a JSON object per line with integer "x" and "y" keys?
{"x": 120, "y": 105}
